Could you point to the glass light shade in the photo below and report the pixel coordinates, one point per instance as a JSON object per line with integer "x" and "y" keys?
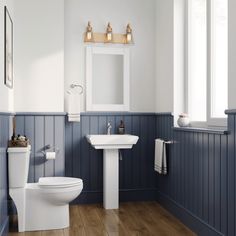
{"x": 129, "y": 37}
{"x": 89, "y": 32}
{"x": 89, "y": 35}
{"x": 109, "y": 36}
{"x": 109, "y": 32}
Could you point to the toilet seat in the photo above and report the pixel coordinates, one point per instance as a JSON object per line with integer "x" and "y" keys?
{"x": 59, "y": 182}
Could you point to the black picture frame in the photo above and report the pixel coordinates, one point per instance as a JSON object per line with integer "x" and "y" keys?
{"x": 8, "y": 49}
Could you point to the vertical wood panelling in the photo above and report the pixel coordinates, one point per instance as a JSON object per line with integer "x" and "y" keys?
{"x": 201, "y": 166}
{"x": 69, "y": 141}
{"x": 185, "y": 167}
{"x": 201, "y": 176}
{"x": 59, "y": 144}
{"x": 44, "y": 130}
{"x": 136, "y": 151}
{"x": 211, "y": 180}
{"x": 217, "y": 177}
{"x": 127, "y": 162}
{"x": 86, "y": 152}
{"x": 205, "y": 177}
{"x": 231, "y": 175}
{"x": 29, "y": 132}
{"x": 151, "y": 135}
{"x": 49, "y": 140}
{"x": 195, "y": 173}
{"x": 224, "y": 185}
{"x": 73, "y": 156}
{"x": 20, "y": 128}
{"x": 143, "y": 151}
{"x": 93, "y": 155}
{"x": 136, "y": 167}
{"x": 4, "y": 136}
{"x": 116, "y": 119}
{"x": 39, "y": 164}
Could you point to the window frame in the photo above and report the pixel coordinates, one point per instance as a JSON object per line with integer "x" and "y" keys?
{"x": 210, "y": 121}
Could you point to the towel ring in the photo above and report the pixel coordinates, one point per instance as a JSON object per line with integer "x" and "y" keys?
{"x": 73, "y": 86}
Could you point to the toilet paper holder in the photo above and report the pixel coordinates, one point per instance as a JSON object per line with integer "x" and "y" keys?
{"x": 49, "y": 148}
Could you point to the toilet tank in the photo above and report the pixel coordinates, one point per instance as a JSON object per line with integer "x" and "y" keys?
{"x": 18, "y": 166}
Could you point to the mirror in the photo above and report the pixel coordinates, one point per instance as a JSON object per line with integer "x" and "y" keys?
{"x": 107, "y": 79}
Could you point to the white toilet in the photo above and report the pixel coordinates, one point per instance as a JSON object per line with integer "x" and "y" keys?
{"x": 43, "y": 205}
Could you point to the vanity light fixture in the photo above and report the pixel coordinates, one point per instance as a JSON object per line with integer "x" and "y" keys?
{"x": 109, "y": 32}
{"x": 129, "y": 37}
{"x": 89, "y": 33}
{"x": 108, "y": 36}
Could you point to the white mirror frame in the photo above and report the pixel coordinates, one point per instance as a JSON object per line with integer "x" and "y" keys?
{"x": 124, "y": 51}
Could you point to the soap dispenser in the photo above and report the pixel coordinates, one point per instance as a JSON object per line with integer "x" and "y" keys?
{"x": 121, "y": 128}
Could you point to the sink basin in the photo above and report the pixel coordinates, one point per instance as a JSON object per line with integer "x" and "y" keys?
{"x": 111, "y": 145}
{"x": 113, "y": 141}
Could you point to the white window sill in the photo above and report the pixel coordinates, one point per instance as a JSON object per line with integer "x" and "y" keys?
{"x": 215, "y": 130}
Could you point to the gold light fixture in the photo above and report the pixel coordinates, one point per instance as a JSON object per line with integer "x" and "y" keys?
{"x": 129, "y": 36}
{"x": 108, "y": 36}
{"x": 89, "y": 33}
{"x": 109, "y": 32}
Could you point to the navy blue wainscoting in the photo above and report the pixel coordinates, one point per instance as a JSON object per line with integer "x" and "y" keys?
{"x": 43, "y": 129}
{"x": 78, "y": 159}
{"x": 136, "y": 174}
{"x": 4, "y": 136}
{"x": 200, "y": 186}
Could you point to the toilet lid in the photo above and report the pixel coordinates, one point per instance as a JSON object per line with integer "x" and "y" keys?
{"x": 58, "y": 182}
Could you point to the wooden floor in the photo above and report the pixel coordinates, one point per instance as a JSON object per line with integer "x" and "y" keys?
{"x": 136, "y": 218}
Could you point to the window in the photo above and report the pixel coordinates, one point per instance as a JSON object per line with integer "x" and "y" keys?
{"x": 207, "y": 60}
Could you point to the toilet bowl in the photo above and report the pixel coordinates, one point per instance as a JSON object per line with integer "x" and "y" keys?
{"x": 43, "y": 205}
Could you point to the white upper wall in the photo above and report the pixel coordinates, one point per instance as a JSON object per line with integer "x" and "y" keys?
{"x": 141, "y": 16}
{"x": 232, "y": 54}
{"x": 164, "y": 56}
{"x": 6, "y": 94}
{"x": 179, "y": 58}
{"x": 39, "y": 55}
{"x": 39, "y": 51}
{"x": 166, "y": 88}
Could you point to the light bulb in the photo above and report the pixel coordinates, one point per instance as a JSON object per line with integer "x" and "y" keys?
{"x": 89, "y": 32}
{"x": 129, "y": 37}
{"x": 109, "y": 32}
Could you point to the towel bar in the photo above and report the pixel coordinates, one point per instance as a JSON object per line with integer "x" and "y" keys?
{"x": 169, "y": 142}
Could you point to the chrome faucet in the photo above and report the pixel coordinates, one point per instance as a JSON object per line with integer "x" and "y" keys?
{"x": 109, "y": 127}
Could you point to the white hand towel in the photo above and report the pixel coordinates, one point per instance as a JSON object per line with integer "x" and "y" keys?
{"x": 160, "y": 157}
{"x": 73, "y": 107}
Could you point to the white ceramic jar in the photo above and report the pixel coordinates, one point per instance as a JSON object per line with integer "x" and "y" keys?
{"x": 183, "y": 120}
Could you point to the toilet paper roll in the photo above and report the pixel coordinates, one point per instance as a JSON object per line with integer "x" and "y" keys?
{"x": 50, "y": 155}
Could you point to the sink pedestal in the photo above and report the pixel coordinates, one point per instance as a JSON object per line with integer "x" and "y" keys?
{"x": 111, "y": 144}
{"x": 111, "y": 178}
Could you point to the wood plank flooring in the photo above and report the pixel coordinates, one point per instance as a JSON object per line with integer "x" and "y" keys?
{"x": 132, "y": 219}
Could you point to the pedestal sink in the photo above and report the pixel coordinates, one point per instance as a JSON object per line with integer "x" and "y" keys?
{"x": 111, "y": 145}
